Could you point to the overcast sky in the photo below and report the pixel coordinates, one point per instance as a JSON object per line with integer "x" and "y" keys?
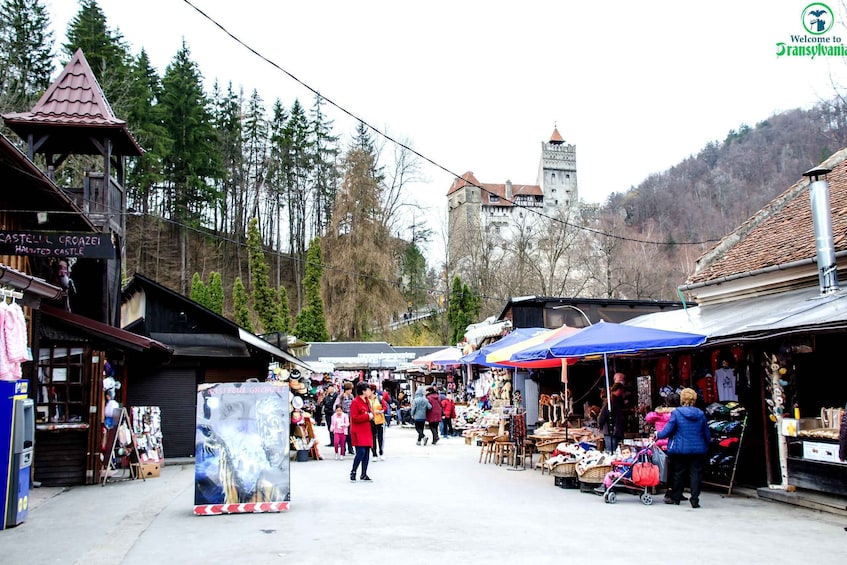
{"x": 478, "y": 85}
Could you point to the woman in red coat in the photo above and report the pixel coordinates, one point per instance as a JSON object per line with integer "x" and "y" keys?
{"x": 361, "y": 435}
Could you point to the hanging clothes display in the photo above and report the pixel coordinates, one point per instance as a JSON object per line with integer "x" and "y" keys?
{"x": 13, "y": 349}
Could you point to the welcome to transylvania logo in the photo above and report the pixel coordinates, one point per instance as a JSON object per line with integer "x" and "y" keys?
{"x": 817, "y": 41}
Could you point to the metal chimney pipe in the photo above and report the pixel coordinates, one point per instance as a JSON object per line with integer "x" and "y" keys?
{"x": 824, "y": 244}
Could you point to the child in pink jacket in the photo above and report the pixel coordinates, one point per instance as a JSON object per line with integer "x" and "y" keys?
{"x": 338, "y": 426}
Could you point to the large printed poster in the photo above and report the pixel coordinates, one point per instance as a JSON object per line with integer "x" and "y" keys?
{"x": 241, "y": 448}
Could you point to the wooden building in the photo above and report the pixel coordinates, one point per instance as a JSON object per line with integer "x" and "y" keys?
{"x": 207, "y": 348}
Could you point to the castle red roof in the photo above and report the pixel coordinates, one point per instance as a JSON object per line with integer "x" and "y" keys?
{"x": 498, "y": 190}
{"x": 556, "y": 137}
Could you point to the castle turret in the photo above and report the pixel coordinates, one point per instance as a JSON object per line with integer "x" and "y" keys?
{"x": 557, "y": 173}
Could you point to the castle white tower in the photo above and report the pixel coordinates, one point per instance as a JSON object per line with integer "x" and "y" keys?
{"x": 557, "y": 173}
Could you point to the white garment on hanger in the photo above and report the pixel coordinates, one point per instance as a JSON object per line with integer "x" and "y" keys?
{"x": 725, "y": 381}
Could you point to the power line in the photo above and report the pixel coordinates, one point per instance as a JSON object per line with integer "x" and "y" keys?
{"x": 427, "y": 159}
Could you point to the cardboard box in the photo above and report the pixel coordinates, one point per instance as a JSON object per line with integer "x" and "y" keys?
{"x": 150, "y": 470}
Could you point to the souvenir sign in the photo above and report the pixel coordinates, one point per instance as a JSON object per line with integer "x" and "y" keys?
{"x": 241, "y": 448}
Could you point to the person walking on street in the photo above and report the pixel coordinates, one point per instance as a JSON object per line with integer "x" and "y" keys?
{"x": 339, "y": 425}
{"x": 361, "y": 416}
{"x": 433, "y": 415}
{"x": 689, "y": 437}
{"x": 420, "y": 407}
{"x": 329, "y": 409}
{"x": 448, "y": 412}
{"x": 378, "y": 425}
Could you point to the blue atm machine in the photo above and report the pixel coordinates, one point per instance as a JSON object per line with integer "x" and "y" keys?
{"x": 17, "y": 434}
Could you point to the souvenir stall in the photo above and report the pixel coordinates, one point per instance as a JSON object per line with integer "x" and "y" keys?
{"x": 805, "y": 409}
{"x": 302, "y": 439}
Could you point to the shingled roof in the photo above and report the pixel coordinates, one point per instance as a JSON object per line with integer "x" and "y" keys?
{"x": 780, "y": 233}
{"x": 72, "y": 102}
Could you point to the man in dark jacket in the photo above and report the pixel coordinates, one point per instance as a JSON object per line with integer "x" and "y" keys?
{"x": 617, "y": 416}
{"x": 433, "y": 415}
{"x": 689, "y": 437}
{"x": 328, "y": 408}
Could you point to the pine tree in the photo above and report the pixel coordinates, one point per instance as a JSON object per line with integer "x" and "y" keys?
{"x": 298, "y": 167}
{"x": 193, "y": 161}
{"x": 324, "y": 168}
{"x": 199, "y": 293}
{"x": 192, "y": 165}
{"x": 276, "y": 180}
{"x": 26, "y": 53}
{"x": 414, "y": 274}
{"x": 241, "y": 305}
{"x": 144, "y": 116}
{"x": 283, "y": 322}
{"x": 255, "y": 159}
{"x": 463, "y": 309}
{"x": 265, "y": 301}
{"x": 228, "y": 125}
{"x": 311, "y": 323}
{"x": 215, "y": 291}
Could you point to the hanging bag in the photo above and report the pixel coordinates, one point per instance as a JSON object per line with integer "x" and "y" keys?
{"x": 645, "y": 474}
{"x": 660, "y": 460}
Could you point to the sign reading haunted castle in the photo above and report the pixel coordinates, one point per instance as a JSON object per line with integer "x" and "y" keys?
{"x": 56, "y": 244}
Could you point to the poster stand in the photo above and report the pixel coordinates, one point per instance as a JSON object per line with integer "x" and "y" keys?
{"x": 120, "y": 442}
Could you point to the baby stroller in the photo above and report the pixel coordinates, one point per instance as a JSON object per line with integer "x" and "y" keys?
{"x": 636, "y": 477}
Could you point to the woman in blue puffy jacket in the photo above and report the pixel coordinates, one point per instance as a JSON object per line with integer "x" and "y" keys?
{"x": 688, "y": 440}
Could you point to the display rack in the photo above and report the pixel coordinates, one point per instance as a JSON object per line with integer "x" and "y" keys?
{"x": 121, "y": 443}
{"x": 724, "y": 451}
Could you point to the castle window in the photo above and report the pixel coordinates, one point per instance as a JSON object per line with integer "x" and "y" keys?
{"x": 492, "y": 198}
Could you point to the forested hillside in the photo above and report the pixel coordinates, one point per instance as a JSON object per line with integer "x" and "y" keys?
{"x": 710, "y": 194}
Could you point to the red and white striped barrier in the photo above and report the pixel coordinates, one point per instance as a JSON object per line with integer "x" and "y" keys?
{"x": 246, "y": 508}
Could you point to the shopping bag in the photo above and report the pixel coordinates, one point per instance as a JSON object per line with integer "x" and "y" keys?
{"x": 660, "y": 460}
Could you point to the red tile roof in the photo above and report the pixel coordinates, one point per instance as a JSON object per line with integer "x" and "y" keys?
{"x": 781, "y": 232}
{"x": 76, "y": 100}
{"x": 556, "y": 137}
{"x": 499, "y": 190}
{"x": 463, "y": 181}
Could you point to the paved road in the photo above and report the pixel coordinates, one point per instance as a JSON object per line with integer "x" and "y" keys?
{"x": 432, "y": 504}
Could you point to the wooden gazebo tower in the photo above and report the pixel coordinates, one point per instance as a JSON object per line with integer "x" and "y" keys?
{"x": 74, "y": 118}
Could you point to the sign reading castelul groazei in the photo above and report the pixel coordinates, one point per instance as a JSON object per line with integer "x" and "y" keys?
{"x": 817, "y": 39}
{"x": 56, "y": 244}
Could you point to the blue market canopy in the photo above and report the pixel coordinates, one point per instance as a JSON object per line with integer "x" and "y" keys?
{"x": 610, "y": 338}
